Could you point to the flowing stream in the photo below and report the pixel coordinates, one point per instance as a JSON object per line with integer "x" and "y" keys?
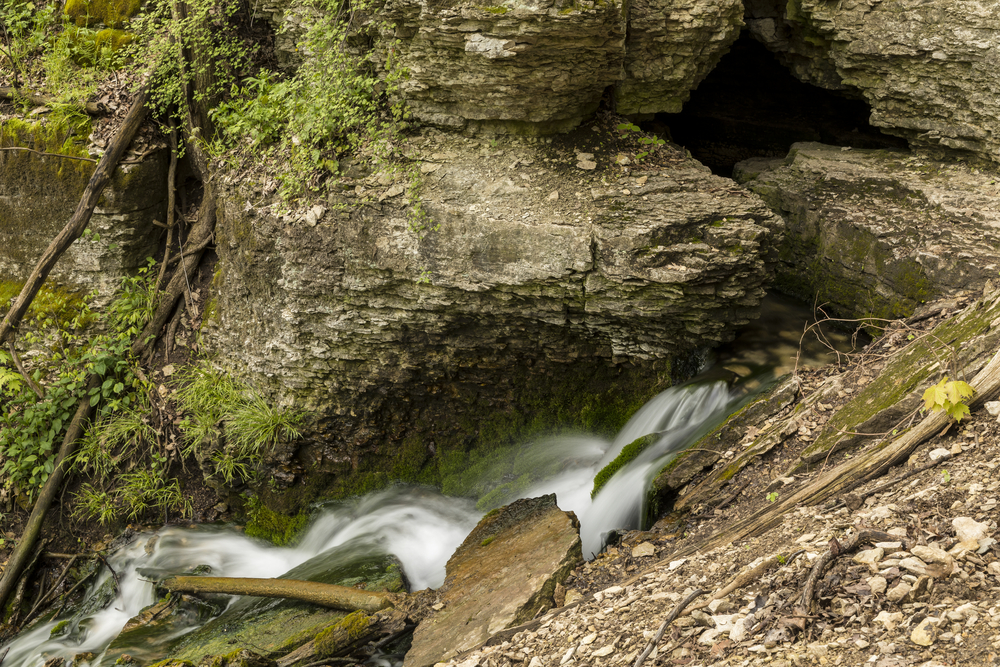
{"x": 419, "y": 526}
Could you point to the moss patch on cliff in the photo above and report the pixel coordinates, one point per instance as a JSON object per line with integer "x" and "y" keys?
{"x": 276, "y": 528}
{"x": 628, "y": 454}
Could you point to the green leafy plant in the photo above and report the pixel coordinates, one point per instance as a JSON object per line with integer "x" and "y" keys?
{"x": 31, "y": 426}
{"x": 653, "y": 142}
{"x": 773, "y": 496}
{"x": 24, "y": 27}
{"x": 950, "y": 396}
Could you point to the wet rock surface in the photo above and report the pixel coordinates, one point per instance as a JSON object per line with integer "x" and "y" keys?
{"x": 878, "y": 233}
{"x": 505, "y": 573}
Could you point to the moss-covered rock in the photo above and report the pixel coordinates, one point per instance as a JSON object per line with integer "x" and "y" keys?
{"x": 627, "y": 455}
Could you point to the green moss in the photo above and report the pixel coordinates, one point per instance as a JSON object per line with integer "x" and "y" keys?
{"x": 59, "y": 629}
{"x": 494, "y": 10}
{"x": 487, "y": 541}
{"x": 348, "y": 629}
{"x": 52, "y": 306}
{"x": 627, "y": 455}
{"x": 278, "y": 529}
{"x": 111, "y": 13}
{"x": 65, "y": 134}
{"x": 89, "y": 47}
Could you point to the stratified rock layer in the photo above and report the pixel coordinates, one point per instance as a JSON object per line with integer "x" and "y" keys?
{"x": 929, "y": 68}
{"x": 519, "y": 267}
{"x": 505, "y": 573}
{"x": 530, "y": 66}
{"x": 876, "y": 233}
{"x": 672, "y": 45}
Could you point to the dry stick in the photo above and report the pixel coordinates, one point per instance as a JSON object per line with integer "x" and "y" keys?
{"x": 23, "y": 584}
{"x": 171, "y": 195}
{"x": 739, "y": 581}
{"x": 20, "y": 369}
{"x": 852, "y": 544}
{"x": 70, "y": 592}
{"x": 663, "y": 628}
{"x": 198, "y": 248}
{"x": 327, "y": 595}
{"x": 868, "y": 465}
{"x": 19, "y": 558}
{"x": 74, "y": 228}
{"x": 45, "y": 599}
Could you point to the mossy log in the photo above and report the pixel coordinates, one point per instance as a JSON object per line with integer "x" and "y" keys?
{"x": 14, "y": 95}
{"x": 853, "y": 472}
{"x": 326, "y": 595}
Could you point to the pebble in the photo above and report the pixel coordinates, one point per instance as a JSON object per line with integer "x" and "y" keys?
{"x": 878, "y": 584}
{"x": 925, "y": 633}
{"x": 898, "y": 592}
{"x": 643, "y": 549}
{"x": 604, "y": 651}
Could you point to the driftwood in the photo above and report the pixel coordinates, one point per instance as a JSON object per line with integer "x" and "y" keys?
{"x": 78, "y": 223}
{"x": 15, "y": 95}
{"x": 326, "y": 595}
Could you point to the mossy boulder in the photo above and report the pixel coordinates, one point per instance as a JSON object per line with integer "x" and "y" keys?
{"x": 628, "y": 454}
{"x": 39, "y": 193}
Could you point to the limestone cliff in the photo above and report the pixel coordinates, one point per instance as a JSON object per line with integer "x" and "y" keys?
{"x": 877, "y": 233}
{"x": 532, "y": 270}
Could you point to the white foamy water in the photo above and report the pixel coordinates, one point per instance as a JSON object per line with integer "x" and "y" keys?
{"x": 417, "y": 525}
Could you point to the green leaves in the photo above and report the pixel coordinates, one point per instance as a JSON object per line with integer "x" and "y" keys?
{"x": 949, "y": 396}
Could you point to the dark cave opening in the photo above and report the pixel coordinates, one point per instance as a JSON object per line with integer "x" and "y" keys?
{"x": 751, "y": 106}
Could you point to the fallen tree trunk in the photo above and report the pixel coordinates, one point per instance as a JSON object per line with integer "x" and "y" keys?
{"x": 78, "y": 222}
{"x": 325, "y": 595}
{"x": 26, "y": 545}
{"x": 15, "y": 95}
{"x": 853, "y": 472}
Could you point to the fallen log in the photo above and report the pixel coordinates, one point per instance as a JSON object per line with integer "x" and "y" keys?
{"x": 15, "y": 95}
{"x": 325, "y": 595}
{"x": 853, "y": 472}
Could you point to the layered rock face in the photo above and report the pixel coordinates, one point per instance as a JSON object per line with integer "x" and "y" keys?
{"x": 37, "y": 198}
{"x": 876, "y": 233}
{"x": 672, "y": 45}
{"x": 534, "y": 66}
{"x": 929, "y": 68}
{"x": 520, "y": 263}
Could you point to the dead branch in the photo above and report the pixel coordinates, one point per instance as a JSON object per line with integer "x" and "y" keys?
{"x": 902, "y": 478}
{"x": 45, "y": 599}
{"x": 741, "y": 580}
{"x": 171, "y": 203}
{"x": 326, "y": 595}
{"x": 81, "y": 217}
{"x": 667, "y": 621}
{"x": 44, "y": 154}
{"x": 15, "y": 95}
{"x": 836, "y": 550}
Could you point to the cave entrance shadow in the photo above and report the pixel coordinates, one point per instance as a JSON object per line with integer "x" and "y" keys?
{"x": 751, "y": 106}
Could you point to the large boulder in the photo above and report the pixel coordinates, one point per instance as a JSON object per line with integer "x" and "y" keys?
{"x": 930, "y": 69}
{"x": 503, "y": 280}
{"x": 672, "y": 45}
{"x": 877, "y": 233}
{"x": 505, "y": 573}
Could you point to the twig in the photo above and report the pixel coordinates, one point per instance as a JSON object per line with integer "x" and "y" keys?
{"x": 4, "y": 655}
{"x": 663, "y": 628}
{"x": 852, "y": 544}
{"x": 44, "y": 154}
{"x": 198, "y": 248}
{"x": 70, "y": 592}
{"x": 741, "y": 580}
{"x": 20, "y": 368}
{"x": 171, "y": 181}
{"x": 47, "y": 598}
{"x": 114, "y": 574}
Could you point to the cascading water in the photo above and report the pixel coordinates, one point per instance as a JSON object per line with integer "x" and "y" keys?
{"x": 417, "y": 525}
